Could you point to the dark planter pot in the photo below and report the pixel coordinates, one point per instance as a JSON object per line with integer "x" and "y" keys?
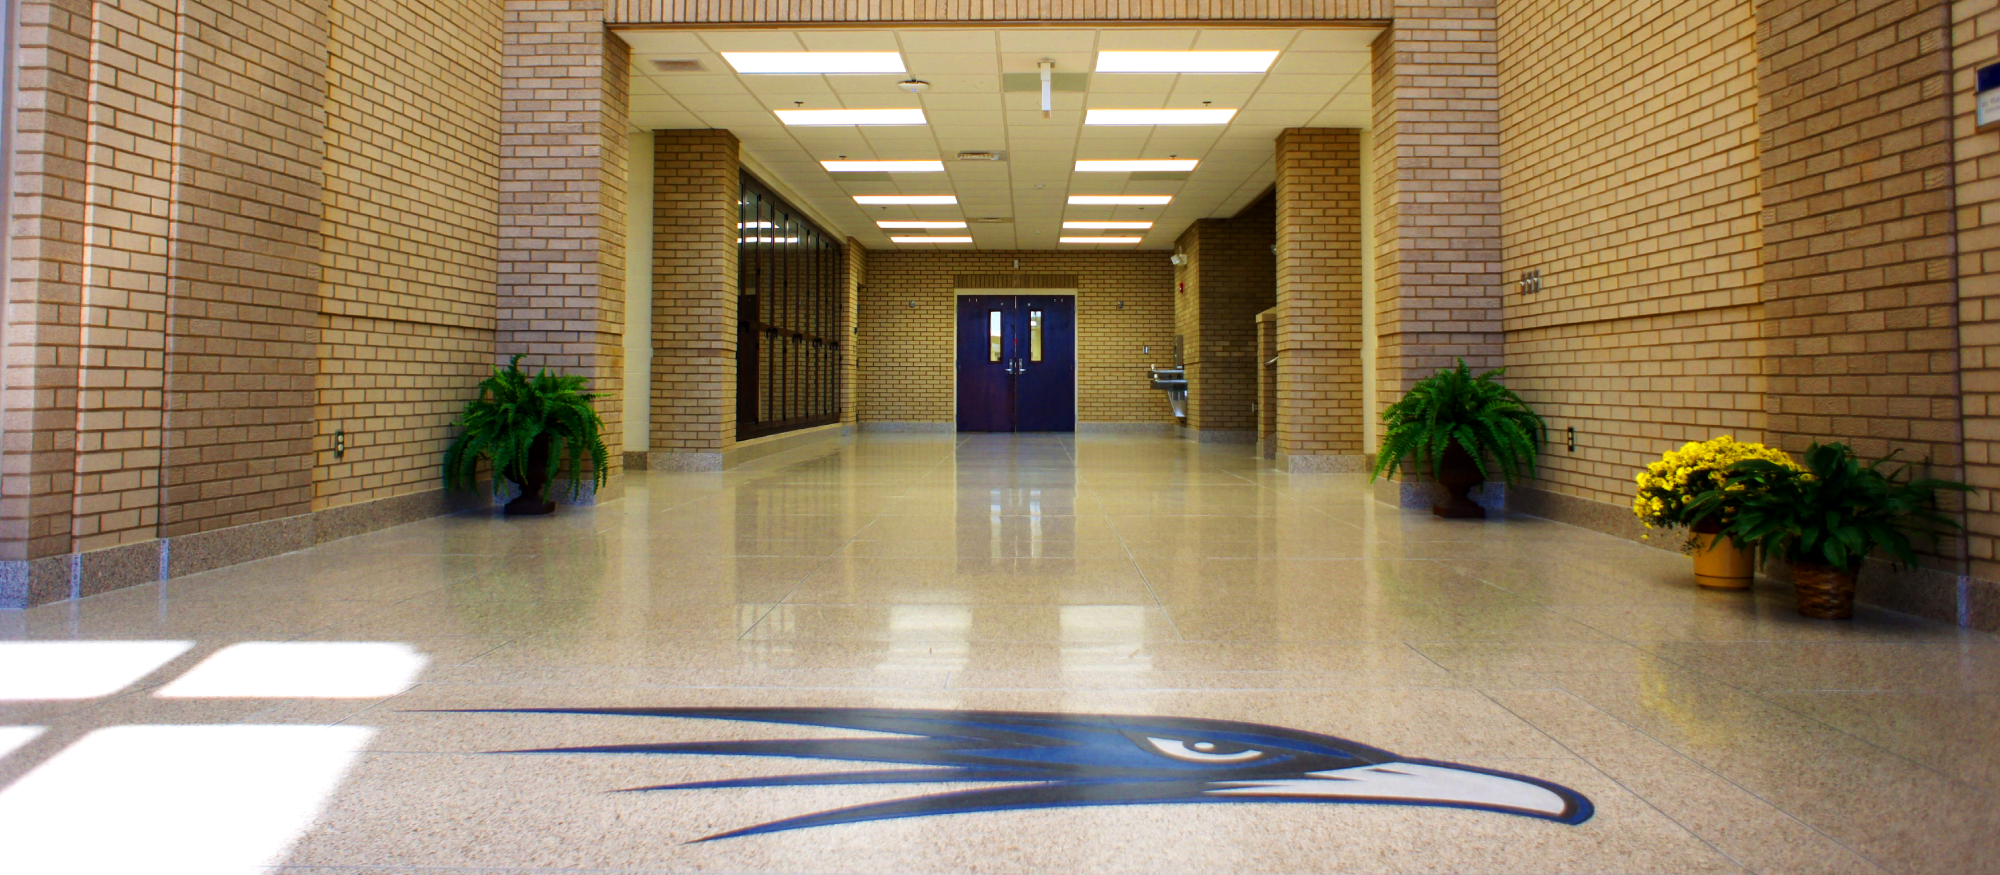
{"x": 1459, "y": 475}
{"x": 534, "y": 482}
{"x": 1825, "y": 592}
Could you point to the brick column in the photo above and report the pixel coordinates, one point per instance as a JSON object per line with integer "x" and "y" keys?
{"x": 850, "y": 339}
{"x": 1438, "y": 280}
{"x": 1437, "y": 193}
{"x": 1230, "y": 277}
{"x": 1319, "y": 301}
{"x": 696, "y": 177}
{"x": 38, "y": 349}
{"x": 563, "y": 139}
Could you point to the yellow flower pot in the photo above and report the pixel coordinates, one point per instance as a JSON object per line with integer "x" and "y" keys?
{"x": 1720, "y": 564}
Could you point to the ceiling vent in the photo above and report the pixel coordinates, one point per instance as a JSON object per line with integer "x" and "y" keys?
{"x": 990, "y": 220}
{"x": 982, "y": 156}
{"x": 679, "y": 65}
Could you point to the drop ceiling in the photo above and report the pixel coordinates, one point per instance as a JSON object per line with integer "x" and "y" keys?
{"x": 1320, "y": 79}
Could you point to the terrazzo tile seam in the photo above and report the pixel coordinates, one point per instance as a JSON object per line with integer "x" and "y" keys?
{"x": 1634, "y": 792}
{"x": 1697, "y": 763}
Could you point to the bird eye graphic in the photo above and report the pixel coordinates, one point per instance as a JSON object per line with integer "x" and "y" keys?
{"x": 1203, "y": 751}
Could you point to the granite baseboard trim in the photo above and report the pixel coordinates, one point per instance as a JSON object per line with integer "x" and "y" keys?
{"x": 915, "y": 427}
{"x": 1267, "y": 448}
{"x": 25, "y": 584}
{"x": 684, "y": 462}
{"x": 1932, "y": 593}
{"x": 1426, "y": 493}
{"x": 1323, "y": 464}
{"x": 1135, "y": 428}
{"x": 1219, "y": 435}
{"x": 783, "y": 442}
{"x": 635, "y": 460}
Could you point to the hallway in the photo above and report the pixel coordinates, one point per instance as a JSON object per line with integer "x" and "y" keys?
{"x": 1124, "y": 575}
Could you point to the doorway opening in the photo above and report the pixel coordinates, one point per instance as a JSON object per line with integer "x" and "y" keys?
{"x": 1017, "y": 362}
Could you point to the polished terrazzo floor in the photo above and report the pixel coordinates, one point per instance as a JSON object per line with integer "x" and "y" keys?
{"x": 1713, "y": 732}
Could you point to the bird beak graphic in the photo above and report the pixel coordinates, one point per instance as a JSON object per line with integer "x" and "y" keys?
{"x": 1419, "y": 783}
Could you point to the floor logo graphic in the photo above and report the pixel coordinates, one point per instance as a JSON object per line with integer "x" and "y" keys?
{"x": 1062, "y": 760}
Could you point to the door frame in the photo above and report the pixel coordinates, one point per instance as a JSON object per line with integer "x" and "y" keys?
{"x": 1076, "y": 367}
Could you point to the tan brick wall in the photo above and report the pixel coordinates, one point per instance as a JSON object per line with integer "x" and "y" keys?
{"x": 1318, "y": 211}
{"x": 667, "y": 11}
{"x": 696, "y": 176}
{"x": 411, "y": 239}
{"x": 1856, "y": 118}
{"x": 128, "y": 213}
{"x": 1976, "y": 160}
{"x": 1636, "y": 196}
{"x": 850, "y": 337}
{"x": 564, "y": 88}
{"x": 243, "y": 302}
{"x": 1437, "y": 192}
{"x": 907, "y": 354}
{"x": 1231, "y": 276}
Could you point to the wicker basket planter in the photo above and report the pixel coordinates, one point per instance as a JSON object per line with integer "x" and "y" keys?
{"x": 1825, "y": 592}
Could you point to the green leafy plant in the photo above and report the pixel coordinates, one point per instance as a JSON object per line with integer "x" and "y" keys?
{"x": 1454, "y": 407}
{"x": 512, "y": 411}
{"x": 1834, "y": 512}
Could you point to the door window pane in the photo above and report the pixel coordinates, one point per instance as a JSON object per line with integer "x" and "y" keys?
{"x": 1034, "y": 335}
{"x": 993, "y": 336}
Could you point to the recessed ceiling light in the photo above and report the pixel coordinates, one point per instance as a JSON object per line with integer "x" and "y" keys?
{"x": 1108, "y": 226}
{"x": 754, "y": 224}
{"x": 1102, "y": 239}
{"x": 883, "y": 166}
{"x": 815, "y": 62}
{"x": 1158, "y": 116}
{"x": 1120, "y": 200}
{"x": 767, "y": 239}
{"x": 819, "y": 117}
{"x": 1185, "y": 62}
{"x": 1135, "y": 166}
{"x": 930, "y": 239}
{"x": 906, "y": 199}
{"x": 919, "y": 224}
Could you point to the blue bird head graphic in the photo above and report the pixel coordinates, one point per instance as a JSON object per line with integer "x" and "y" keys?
{"x": 1062, "y": 760}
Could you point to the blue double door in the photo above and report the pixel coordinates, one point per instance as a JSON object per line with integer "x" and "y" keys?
{"x": 1017, "y": 363}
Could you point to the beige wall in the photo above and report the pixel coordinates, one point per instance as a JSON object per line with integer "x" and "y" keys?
{"x": 1636, "y": 196}
{"x": 907, "y": 356}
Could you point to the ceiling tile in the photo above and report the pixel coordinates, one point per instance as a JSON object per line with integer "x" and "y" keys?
{"x": 1220, "y": 39}
{"x": 752, "y": 41}
{"x": 702, "y": 83}
{"x": 948, "y": 40}
{"x": 1324, "y": 63}
{"x": 1146, "y": 40}
{"x": 664, "y": 42}
{"x": 1028, "y": 62}
{"x": 1327, "y": 39}
{"x": 926, "y": 65}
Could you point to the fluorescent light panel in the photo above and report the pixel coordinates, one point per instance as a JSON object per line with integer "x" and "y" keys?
{"x": 1166, "y": 165}
{"x": 1107, "y": 226}
{"x": 1158, "y": 116}
{"x": 815, "y": 62}
{"x": 1120, "y": 200}
{"x": 931, "y": 239}
{"x": 767, "y": 239}
{"x": 918, "y": 199}
{"x": 835, "y": 117}
{"x": 919, "y": 224}
{"x": 883, "y": 166}
{"x": 1102, "y": 239}
{"x": 1185, "y": 62}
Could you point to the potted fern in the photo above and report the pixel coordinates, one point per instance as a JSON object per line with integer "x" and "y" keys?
{"x": 524, "y": 426}
{"x": 1826, "y": 517}
{"x": 1454, "y": 422}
